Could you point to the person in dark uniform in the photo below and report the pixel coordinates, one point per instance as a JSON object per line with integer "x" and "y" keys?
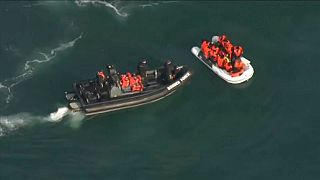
{"x": 142, "y": 68}
{"x": 142, "y": 71}
{"x": 169, "y": 69}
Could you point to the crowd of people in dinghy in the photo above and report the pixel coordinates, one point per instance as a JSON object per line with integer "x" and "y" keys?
{"x": 136, "y": 82}
{"x": 128, "y": 82}
{"x": 224, "y": 54}
{"x": 131, "y": 82}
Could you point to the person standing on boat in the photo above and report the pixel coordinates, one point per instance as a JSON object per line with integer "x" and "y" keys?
{"x": 168, "y": 70}
{"x": 101, "y": 77}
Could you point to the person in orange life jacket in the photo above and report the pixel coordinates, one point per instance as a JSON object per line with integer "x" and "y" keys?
{"x": 238, "y": 68}
{"x": 205, "y": 48}
{"x": 228, "y": 66}
{"x": 101, "y": 74}
{"x": 203, "y": 44}
{"x": 238, "y": 73}
{"x": 225, "y": 43}
{"x": 101, "y": 78}
{"x": 124, "y": 81}
{"x": 215, "y": 52}
{"x": 210, "y": 52}
{"x": 222, "y": 38}
{"x": 139, "y": 82}
{"x": 238, "y": 51}
{"x": 233, "y": 59}
{"x": 129, "y": 75}
{"x": 137, "y": 86}
{"x": 221, "y": 60}
{"x": 229, "y": 49}
{"x": 238, "y": 65}
{"x": 139, "y": 79}
{"x": 131, "y": 80}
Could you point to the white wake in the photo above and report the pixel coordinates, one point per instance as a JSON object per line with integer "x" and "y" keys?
{"x": 30, "y": 66}
{"x": 59, "y": 114}
{"x": 11, "y": 123}
{"x": 156, "y": 3}
{"x": 113, "y": 5}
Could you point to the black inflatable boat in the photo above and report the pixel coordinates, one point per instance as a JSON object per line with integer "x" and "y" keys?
{"x": 113, "y": 91}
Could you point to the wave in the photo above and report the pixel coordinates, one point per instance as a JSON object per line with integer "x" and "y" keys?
{"x": 113, "y": 5}
{"x": 156, "y": 3}
{"x": 120, "y": 10}
{"x": 31, "y": 65}
{"x": 11, "y": 123}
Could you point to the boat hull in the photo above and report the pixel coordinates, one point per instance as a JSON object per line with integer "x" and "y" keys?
{"x": 151, "y": 94}
{"x": 245, "y": 76}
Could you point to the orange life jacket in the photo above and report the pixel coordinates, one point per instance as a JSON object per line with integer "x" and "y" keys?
{"x": 205, "y": 48}
{"x": 128, "y": 74}
{"x": 238, "y": 51}
{"x": 132, "y": 81}
{"x": 215, "y": 52}
{"x": 237, "y": 73}
{"x": 225, "y": 42}
{"x": 229, "y": 48}
{"x": 228, "y": 67}
{"x": 137, "y": 87}
{"x": 222, "y": 38}
{"x": 124, "y": 81}
{"x": 220, "y": 61}
{"x": 238, "y": 64}
{"x": 101, "y": 74}
{"x": 139, "y": 79}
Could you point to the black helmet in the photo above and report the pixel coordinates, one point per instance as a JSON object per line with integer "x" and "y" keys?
{"x": 168, "y": 62}
{"x": 109, "y": 66}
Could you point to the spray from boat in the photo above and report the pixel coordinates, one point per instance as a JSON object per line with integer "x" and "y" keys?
{"x": 11, "y": 123}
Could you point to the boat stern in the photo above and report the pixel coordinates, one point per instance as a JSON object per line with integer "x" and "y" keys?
{"x": 73, "y": 101}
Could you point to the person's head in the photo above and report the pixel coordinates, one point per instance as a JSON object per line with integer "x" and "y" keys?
{"x": 238, "y": 50}
{"x": 222, "y": 38}
{"x": 215, "y": 39}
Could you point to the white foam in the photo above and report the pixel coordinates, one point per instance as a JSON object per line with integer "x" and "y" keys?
{"x": 156, "y": 3}
{"x": 148, "y": 5}
{"x": 53, "y": 52}
{"x": 112, "y": 5}
{"x": 11, "y": 123}
{"x": 14, "y": 122}
{"x": 76, "y": 119}
{"x": 59, "y": 114}
{"x": 30, "y": 66}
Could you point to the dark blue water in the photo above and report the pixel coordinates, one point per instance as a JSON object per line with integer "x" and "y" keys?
{"x": 266, "y": 128}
